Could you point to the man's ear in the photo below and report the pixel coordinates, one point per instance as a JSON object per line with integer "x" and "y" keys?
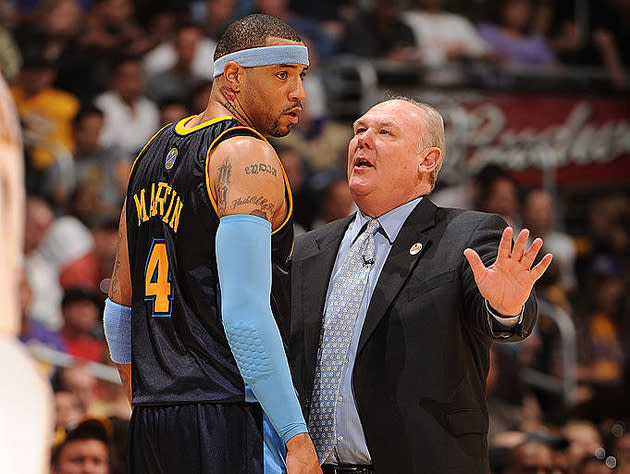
{"x": 232, "y": 75}
{"x": 430, "y": 159}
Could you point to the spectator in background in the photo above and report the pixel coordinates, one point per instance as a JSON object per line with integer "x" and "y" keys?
{"x": 335, "y": 203}
{"x": 320, "y": 40}
{"x": 103, "y": 168}
{"x": 79, "y": 381}
{"x": 510, "y": 34}
{"x": 177, "y": 80}
{"x": 533, "y": 457}
{"x": 80, "y": 308}
{"x": 164, "y": 56}
{"x": 32, "y": 330}
{"x": 130, "y": 118}
{"x": 601, "y": 361}
{"x": 608, "y": 235}
{"x": 69, "y": 248}
{"x": 589, "y": 33}
{"x": 443, "y": 38}
{"x": 380, "y": 33}
{"x": 498, "y": 194}
{"x": 218, "y": 15}
{"x": 172, "y": 111}
{"x": 55, "y": 33}
{"x": 539, "y": 217}
{"x": 42, "y": 274}
{"x": 111, "y": 29}
{"x": 45, "y": 112}
{"x": 105, "y": 232}
{"x": 304, "y": 201}
{"x": 68, "y": 411}
{"x": 85, "y": 450}
{"x": 592, "y": 465}
{"x": 584, "y": 441}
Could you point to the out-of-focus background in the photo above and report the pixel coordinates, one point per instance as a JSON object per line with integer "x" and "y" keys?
{"x": 536, "y": 98}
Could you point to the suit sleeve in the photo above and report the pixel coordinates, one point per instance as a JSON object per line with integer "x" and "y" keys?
{"x": 485, "y": 241}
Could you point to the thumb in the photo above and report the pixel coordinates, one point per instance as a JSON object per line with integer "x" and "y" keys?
{"x": 474, "y": 261}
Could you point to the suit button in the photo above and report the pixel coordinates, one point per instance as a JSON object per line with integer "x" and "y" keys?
{"x": 339, "y": 438}
{"x": 340, "y": 398}
{"x": 525, "y": 332}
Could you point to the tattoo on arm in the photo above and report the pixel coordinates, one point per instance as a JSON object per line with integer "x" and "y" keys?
{"x": 259, "y": 201}
{"x": 261, "y": 168}
{"x": 259, "y": 213}
{"x": 263, "y": 208}
{"x": 223, "y": 173}
{"x": 114, "y": 291}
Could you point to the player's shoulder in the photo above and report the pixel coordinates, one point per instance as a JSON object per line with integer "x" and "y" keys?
{"x": 246, "y": 149}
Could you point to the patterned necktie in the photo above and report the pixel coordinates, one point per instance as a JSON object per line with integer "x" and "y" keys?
{"x": 339, "y": 320}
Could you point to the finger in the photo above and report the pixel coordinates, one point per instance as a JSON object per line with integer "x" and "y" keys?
{"x": 505, "y": 246}
{"x": 475, "y": 262}
{"x": 519, "y": 245}
{"x": 539, "y": 269}
{"x": 531, "y": 253}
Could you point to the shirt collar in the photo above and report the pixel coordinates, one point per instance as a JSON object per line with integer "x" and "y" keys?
{"x": 390, "y": 223}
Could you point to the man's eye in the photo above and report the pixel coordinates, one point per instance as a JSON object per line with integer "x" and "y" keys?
{"x": 282, "y": 75}
{"x": 383, "y": 131}
{"x": 359, "y": 130}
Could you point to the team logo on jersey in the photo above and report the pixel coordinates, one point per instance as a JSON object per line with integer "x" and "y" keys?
{"x": 170, "y": 158}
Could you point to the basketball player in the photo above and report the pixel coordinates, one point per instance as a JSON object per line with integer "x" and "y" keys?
{"x": 26, "y": 417}
{"x": 201, "y": 271}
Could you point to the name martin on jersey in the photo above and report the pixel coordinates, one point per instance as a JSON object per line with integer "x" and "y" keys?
{"x": 165, "y": 203}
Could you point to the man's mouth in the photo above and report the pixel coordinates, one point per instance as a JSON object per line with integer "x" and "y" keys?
{"x": 293, "y": 114}
{"x": 362, "y": 163}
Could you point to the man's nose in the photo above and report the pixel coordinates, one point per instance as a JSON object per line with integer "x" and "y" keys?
{"x": 364, "y": 139}
{"x": 298, "y": 94}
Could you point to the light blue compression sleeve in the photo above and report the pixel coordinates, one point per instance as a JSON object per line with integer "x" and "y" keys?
{"x": 243, "y": 248}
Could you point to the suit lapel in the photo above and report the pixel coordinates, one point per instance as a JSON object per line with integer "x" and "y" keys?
{"x": 399, "y": 265}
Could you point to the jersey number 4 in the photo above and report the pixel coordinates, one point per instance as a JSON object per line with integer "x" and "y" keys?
{"x": 157, "y": 282}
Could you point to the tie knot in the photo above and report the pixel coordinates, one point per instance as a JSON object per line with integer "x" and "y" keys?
{"x": 372, "y": 226}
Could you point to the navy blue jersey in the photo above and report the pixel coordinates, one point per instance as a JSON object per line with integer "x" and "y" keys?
{"x": 179, "y": 350}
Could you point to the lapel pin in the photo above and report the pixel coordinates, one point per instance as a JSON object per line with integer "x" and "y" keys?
{"x": 415, "y": 248}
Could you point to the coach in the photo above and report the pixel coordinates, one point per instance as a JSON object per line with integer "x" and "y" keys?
{"x": 395, "y": 309}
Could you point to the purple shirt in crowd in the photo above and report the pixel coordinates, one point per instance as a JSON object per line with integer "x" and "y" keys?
{"x": 531, "y": 50}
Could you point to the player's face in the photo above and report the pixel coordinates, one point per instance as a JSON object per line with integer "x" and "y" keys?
{"x": 384, "y": 156}
{"x": 273, "y": 95}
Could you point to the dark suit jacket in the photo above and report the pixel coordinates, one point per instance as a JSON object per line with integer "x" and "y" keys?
{"x": 420, "y": 373}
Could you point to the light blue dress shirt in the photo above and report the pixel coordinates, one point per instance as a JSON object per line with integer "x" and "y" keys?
{"x": 351, "y": 447}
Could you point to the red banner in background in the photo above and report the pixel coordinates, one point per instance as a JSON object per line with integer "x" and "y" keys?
{"x": 584, "y": 139}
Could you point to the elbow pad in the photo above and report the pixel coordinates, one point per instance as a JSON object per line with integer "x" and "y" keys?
{"x": 243, "y": 250}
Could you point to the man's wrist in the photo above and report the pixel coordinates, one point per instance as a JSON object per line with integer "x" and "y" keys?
{"x": 298, "y": 441}
{"x": 506, "y": 319}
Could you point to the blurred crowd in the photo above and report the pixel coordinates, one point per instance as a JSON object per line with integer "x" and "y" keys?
{"x": 93, "y": 80}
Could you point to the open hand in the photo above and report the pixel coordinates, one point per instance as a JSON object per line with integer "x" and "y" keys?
{"x": 507, "y": 283}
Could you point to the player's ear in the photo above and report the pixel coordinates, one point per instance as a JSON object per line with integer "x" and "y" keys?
{"x": 233, "y": 75}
